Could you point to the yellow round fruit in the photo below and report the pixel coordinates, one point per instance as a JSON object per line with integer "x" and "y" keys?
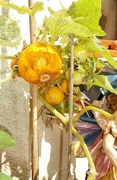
{"x": 65, "y": 85}
{"x": 40, "y": 63}
{"x": 54, "y": 95}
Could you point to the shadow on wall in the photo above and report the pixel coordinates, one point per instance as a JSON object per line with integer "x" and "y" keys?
{"x": 14, "y": 113}
{"x": 9, "y": 166}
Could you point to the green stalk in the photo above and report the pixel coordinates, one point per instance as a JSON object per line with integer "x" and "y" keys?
{"x": 93, "y": 172}
{"x": 8, "y": 57}
{"x": 93, "y": 109}
{"x": 8, "y": 78}
{"x": 65, "y": 122}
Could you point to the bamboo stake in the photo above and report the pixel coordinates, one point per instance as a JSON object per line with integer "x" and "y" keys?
{"x": 34, "y": 112}
{"x": 60, "y": 155}
{"x": 70, "y": 105}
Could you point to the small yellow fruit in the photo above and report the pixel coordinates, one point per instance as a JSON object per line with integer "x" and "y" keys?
{"x": 54, "y": 95}
{"x": 65, "y": 85}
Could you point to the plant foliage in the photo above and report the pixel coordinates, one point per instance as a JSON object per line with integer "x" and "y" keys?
{"x": 6, "y": 140}
{"x": 81, "y": 21}
{"x": 4, "y": 177}
{"x": 9, "y": 32}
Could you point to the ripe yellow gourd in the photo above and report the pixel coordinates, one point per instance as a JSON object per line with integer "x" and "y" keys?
{"x": 39, "y": 64}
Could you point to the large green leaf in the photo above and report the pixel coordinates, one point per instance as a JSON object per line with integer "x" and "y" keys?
{"x": 94, "y": 45}
{"x": 4, "y": 177}
{"x": 6, "y": 140}
{"x": 38, "y": 6}
{"x": 87, "y": 13}
{"x": 59, "y": 25}
{"x": 9, "y": 32}
{"x": 102, "y": 81}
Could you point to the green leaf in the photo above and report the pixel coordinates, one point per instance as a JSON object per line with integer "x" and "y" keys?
{"x": 6, "y": 140}
{"x": 94, "y": 45}
{"x": 37, "y": 7}
{"x": 4, "y": 177}
{"x": 9, "y": 32}
{"x": 51, "y": 11}
{"x": 102, "y": 81}
{"x": 87, "y": 13}
{"x": 21, "y": 10}
{"x": 59, "y": 25}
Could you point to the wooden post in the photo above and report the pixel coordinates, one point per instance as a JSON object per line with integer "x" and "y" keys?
{"x": 33, "y": 113}
{"x": 60, "y": 154}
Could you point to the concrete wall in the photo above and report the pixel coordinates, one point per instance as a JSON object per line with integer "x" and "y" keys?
{"x": 14, "y": 108}
{"x": 14, "y": 118}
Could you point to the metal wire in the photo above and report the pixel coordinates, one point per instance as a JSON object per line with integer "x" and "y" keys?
{"x": 70, "y": 105}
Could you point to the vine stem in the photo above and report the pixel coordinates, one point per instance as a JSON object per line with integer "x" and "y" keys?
{"x": 93, "y": 172}
{"x": 8, "y": 78}
{"x": 8, "y": 57}
{"x": 93, "y": 109}
{"x": 65, "y": 122}
{"x": 70, "y": 105}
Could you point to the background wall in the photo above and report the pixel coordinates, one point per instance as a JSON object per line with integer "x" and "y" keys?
{"x": 14, "y": 107}
{"x": 14, "y": 118}
{"x": 108, "y": 20}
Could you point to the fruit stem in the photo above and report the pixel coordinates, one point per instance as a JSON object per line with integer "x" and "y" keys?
{"x": 8, "y": 78}
{"x": 8, "y": 57}
{"x": 93, "y": 109}
{"x": 44, "y": 77}
{"x": 65, "y": 122}
{"x": 53, "y": 110}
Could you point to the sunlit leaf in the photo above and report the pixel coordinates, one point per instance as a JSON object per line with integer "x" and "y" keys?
{"x": 4, "y": 177}
{"x": 59, "y": 24}
{"x": 6, "y": 140}
{"x": 21, "y": 10}
{"x": 102, "y": 81}
{"x": 87, "y": 13}
{"x": 94, "y": 45}
{"x": 9, "y": 32}
{"x": 38, "y": 6}
{"x": 51, "y": 10}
